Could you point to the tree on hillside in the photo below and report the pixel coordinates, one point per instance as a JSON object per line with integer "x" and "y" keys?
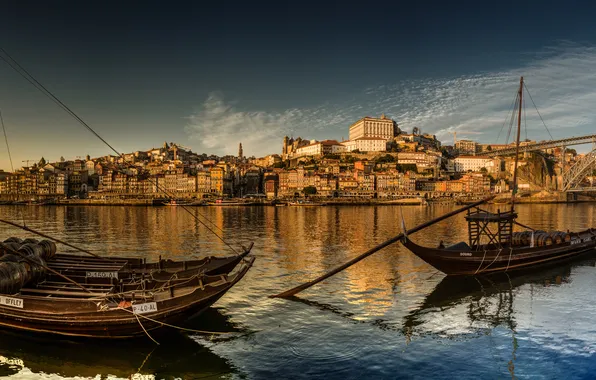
{"x": 309, "y": 190}
{"x": 386, "y": 158}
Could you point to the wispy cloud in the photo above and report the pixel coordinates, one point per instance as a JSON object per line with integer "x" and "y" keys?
{"x": 562, "y": 81}
{"x": 219, "y": 126}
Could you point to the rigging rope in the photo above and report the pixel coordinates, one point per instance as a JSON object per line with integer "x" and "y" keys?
{"x": 10, "y": 158}
{"x": 31, "y": 79}
{"x": 526, "y": 87}
{"x": 525, "y": 118}
{"x": 6, "y": 139}
{"x": 513, "y": 118}
{"x": 507, "y": 117}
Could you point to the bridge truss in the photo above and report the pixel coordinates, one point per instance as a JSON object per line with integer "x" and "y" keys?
{"x": 574, "y": 176}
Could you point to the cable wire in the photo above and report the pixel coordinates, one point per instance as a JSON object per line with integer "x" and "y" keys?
{"x": 6, "y": 139}
{"x": 526, "y": 87}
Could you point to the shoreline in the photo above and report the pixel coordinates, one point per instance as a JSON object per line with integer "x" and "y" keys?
{"x": 323, "y": 202}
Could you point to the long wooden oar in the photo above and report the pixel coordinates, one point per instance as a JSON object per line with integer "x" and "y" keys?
{"x": 297, "y": 289}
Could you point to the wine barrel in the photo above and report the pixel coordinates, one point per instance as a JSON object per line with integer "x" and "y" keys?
{"x": 49, "y": 249}
{"x": 527, "y": 237}
{"x": 13, "y": 240}
{"x": 517, "y": 238}
{"x": 556, "y": 236}
{"x": 543, "y": 239}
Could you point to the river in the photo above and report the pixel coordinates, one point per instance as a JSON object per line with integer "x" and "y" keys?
{"x": 389, "y": 316}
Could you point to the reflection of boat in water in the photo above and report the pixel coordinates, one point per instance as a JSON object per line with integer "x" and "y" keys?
{"x": 177, "y": 356}
{"x": 493, "y": 245}
{"x": 479, "y": 292}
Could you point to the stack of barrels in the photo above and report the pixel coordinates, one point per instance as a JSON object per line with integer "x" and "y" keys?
{"x": 25, "y": 267}
{"x": 541, "y": 238}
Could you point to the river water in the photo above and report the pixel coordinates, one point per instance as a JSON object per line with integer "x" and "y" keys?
{"x": 390, "y": 316}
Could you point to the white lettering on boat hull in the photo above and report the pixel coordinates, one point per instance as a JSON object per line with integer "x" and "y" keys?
{"x": 102, "y": 274}
{"x": 11, "y": 301}
{"x": 143, "y": 308}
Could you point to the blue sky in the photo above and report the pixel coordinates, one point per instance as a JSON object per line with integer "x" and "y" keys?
{"x": 212, "y": 76}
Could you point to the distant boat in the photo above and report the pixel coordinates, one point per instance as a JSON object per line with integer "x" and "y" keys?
{"x": 175, "y": 202}
{"x": 306, "y": 203}
{"x": 224, "y": 202}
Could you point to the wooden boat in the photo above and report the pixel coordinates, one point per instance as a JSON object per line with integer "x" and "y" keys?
{"x": 113, "y": 311}
{"x": 106, "y": 269}
{"x": 493, "y": 245}
{"x": 466, "y": 259}
{"x": 178, "y": 202}
{"x": 306, "y": 203}
{"x": 225, "y": 202}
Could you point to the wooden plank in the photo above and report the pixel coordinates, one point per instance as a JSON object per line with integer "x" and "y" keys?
{"x": 69, "y": 287}
{"x": 64, "y": 294}
{"x": 57, "y": 283}
{"x": 94, "y": 265}
{"x": 87, "y": 260}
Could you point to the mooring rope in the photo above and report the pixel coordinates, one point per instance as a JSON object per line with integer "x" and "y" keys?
{"x": 492, "y": 262}
{"x": 143, "y": 327}
{"x": 173, "y": 326}
{"x": 510, "y": 252}
{"x": 482, "y": 262}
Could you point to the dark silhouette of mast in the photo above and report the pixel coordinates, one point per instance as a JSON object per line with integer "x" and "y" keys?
{"x": 519, "y": 115}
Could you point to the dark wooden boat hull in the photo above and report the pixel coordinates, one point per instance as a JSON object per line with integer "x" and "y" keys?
{"x": 77, "y": 267}
{"x": 471, "y": 262}
{"x": 102, "y": 318}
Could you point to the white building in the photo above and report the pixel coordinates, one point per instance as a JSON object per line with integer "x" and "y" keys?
{"x": 90, "y": 167}
{"x": 374, "y": 127}
{"x": 475, "y": 163}
{"x": 366, "y": 144}
{"x": 319, "y": 148}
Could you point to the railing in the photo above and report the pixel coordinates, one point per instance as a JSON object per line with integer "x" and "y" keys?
{"x": 542, "y": 145}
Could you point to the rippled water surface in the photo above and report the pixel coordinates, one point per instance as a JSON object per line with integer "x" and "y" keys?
{"x": 389, "y": 316}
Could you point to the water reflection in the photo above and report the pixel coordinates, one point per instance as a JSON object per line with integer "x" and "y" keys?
{"x": 389, "y": 315}
{"x": 177, "y": 356}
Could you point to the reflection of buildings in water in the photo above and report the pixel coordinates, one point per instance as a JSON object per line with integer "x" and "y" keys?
{"x": 369, "y": 284}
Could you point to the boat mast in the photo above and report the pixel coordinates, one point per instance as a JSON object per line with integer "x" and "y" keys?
{"x": 519, "y": 114}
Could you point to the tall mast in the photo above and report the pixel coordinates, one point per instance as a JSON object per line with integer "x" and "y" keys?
{"x": 519, "y": 114}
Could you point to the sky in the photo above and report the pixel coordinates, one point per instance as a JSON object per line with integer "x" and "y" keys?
{"x": 209, "y": 76}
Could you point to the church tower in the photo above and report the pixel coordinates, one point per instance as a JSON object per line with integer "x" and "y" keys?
{"x": 240, "y": 152}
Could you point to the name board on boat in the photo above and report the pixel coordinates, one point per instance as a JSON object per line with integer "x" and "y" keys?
{"x": 11, "y": 301}
{"x": 143, "y": 308}
{"x": 465, "y": 254}
{"x": 102, "y": 274}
